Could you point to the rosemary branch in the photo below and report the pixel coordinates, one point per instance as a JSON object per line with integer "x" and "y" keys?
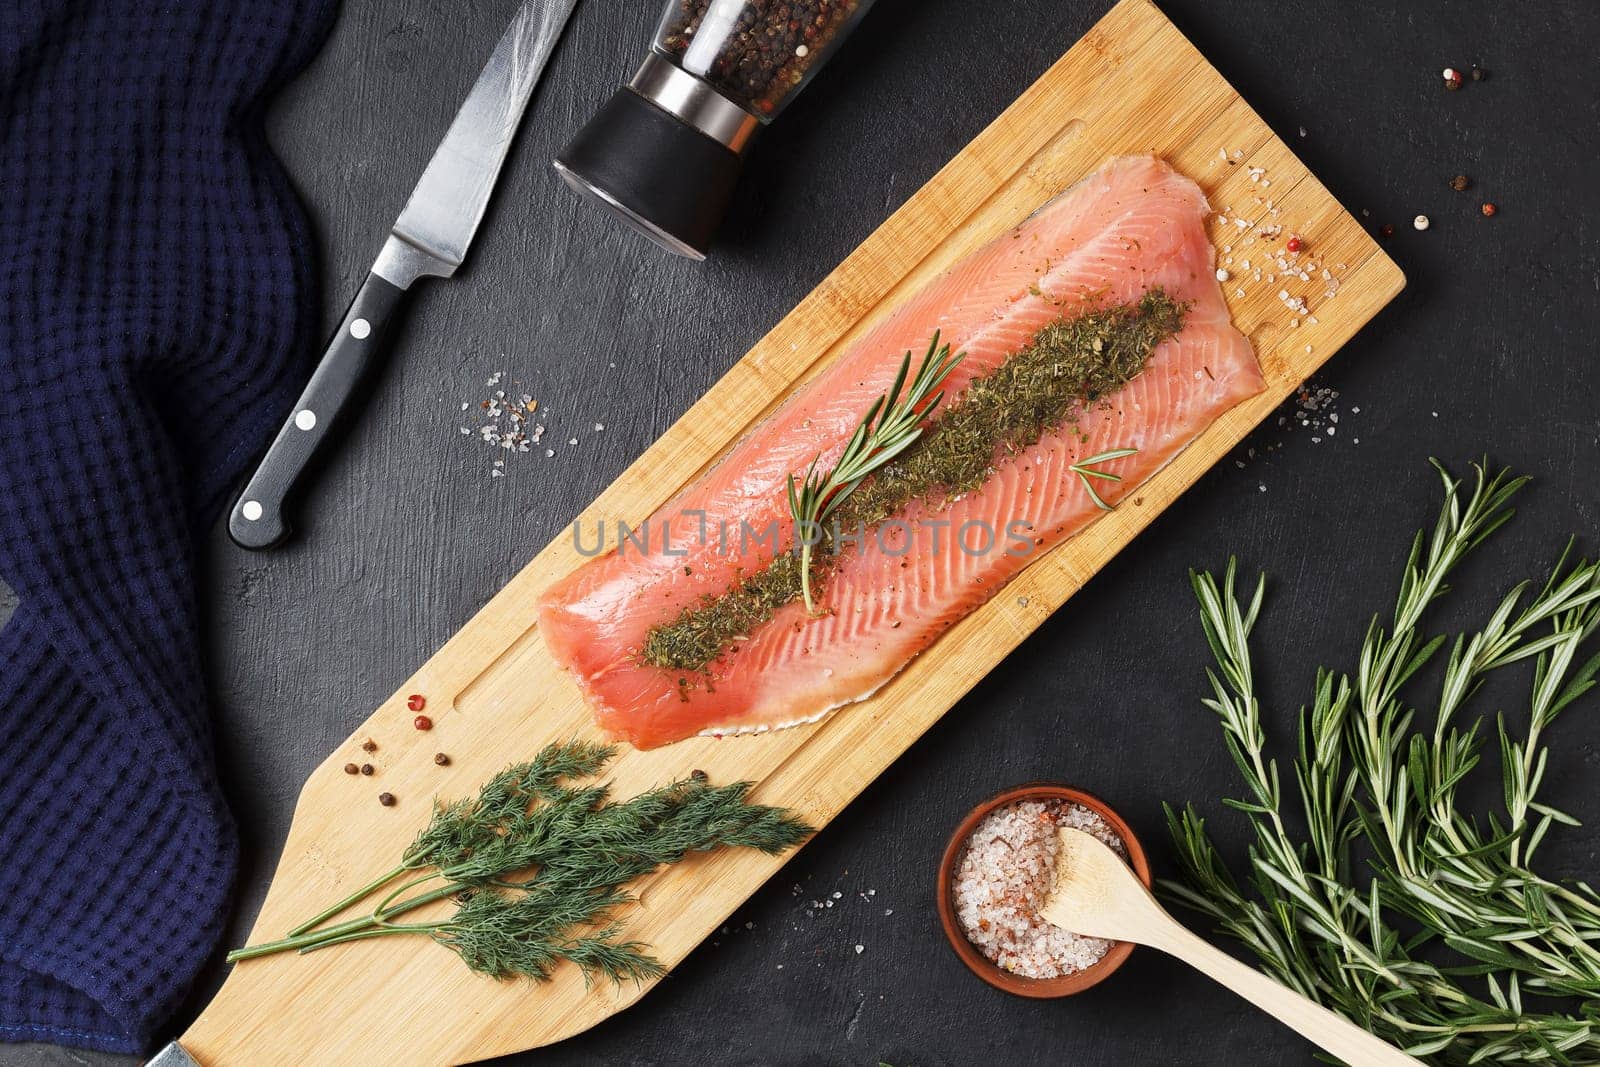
{"x": 1418, "y": 920}
{"x": 535, "y": 863}
{"x": 890, "y": 427}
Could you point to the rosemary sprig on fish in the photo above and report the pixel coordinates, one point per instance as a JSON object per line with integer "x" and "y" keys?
{"x": 890, "y": 426}
{"x": 1088, "y": 472}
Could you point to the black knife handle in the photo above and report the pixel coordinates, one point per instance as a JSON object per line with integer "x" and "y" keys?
{"x": 257, "y": 520}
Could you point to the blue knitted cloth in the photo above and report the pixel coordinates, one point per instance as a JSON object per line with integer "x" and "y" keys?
{"x": 156, "y": 298}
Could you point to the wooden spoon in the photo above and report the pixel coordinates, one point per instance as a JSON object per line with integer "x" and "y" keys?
{"x": 1096, "y": 895}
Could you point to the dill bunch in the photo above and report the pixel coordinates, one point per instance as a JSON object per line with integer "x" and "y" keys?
{"x": 536, "y": 862}
{"x": 1419, "y": 920}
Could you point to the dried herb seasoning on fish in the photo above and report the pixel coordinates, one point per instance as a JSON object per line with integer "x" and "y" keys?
{"x": 536, "y": 862}
{"x": 1071, "y": 364}
{"x": 698, "y": 635}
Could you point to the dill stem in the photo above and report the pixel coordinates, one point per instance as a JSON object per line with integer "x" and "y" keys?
{"x": 315, "y": 939}
{"x": 378, "y": 931}
{"x": 383, "y": 906}
{"x": 354, "y": 898}
{"x": 284, "y": 944}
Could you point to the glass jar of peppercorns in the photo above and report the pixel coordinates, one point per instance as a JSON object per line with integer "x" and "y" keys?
{"x": 758, "y": 53}
{"x": 665, "y": 152}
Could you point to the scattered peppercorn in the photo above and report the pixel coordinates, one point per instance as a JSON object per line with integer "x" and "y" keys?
{"x": 1488, "y": 210}
{"x": 1294, "y": 244}
{"x": 351, "y": 768}
{"x": 422, "y": 722}
{"x": 1478, "y": 74}
{"x": 416, "y": 702}
{"x": 441, "y": 759}
{"x": 1460, "y": 183}
{"x": 699, "y": 775}
{"x": 386, "y": 799}
{"x": 367, "y": 769}
{"x": 1452, "y": 79}
{"x": 369, "y": 745}
{"x": 1386, "y": 230}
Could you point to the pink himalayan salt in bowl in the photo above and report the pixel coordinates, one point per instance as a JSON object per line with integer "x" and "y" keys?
{"x": 996, "y": 872}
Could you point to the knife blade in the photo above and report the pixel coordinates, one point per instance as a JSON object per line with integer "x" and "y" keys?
{"x": 429, "y": 239}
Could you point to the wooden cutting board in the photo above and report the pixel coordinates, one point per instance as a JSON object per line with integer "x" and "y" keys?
{"x": 1133, "y": 84}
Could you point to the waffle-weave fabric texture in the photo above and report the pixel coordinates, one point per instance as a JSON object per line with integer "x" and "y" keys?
{"x": 157, "y": 306}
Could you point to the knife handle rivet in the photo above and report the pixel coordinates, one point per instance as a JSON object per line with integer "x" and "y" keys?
{"x": 361, "y": 329}
{"x": 251, "y": 510}
{"x": 306, "y": 419}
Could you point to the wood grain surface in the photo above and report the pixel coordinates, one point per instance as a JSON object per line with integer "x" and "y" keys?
{"x": 406, "y": 535}
{"x": 1133, "y": 84}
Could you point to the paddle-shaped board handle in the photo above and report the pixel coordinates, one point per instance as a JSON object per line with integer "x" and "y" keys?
{"x": 259, "y": 520}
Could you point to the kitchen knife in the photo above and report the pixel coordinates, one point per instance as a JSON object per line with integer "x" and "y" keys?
{"x": 429, "y": 239}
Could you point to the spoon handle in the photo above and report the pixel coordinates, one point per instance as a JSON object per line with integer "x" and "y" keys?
{"x": 1333, "y": 1033}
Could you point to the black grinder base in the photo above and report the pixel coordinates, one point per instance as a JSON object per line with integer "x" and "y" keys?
{"x": 663, "y": 155}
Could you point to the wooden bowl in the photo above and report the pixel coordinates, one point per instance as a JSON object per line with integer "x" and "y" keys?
{"x": 1066, "y": 985}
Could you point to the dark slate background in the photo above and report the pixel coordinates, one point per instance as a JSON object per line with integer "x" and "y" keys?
{"x": 1489, "y": 350}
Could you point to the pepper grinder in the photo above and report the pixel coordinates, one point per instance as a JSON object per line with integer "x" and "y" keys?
{"x": 664, "y": 154}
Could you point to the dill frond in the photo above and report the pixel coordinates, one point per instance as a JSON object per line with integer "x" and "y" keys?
{"x": 536, "y": 863}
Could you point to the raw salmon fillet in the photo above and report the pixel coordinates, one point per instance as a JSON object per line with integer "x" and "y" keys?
{"x": 1133, "y": 226}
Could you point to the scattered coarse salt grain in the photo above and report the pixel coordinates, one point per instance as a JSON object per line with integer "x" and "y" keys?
{"x": 1005, "y": 876}
{"x": 505, "y": 422}
{"x": 1420, "y": 222}
{"x": 1222, "y": 274}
